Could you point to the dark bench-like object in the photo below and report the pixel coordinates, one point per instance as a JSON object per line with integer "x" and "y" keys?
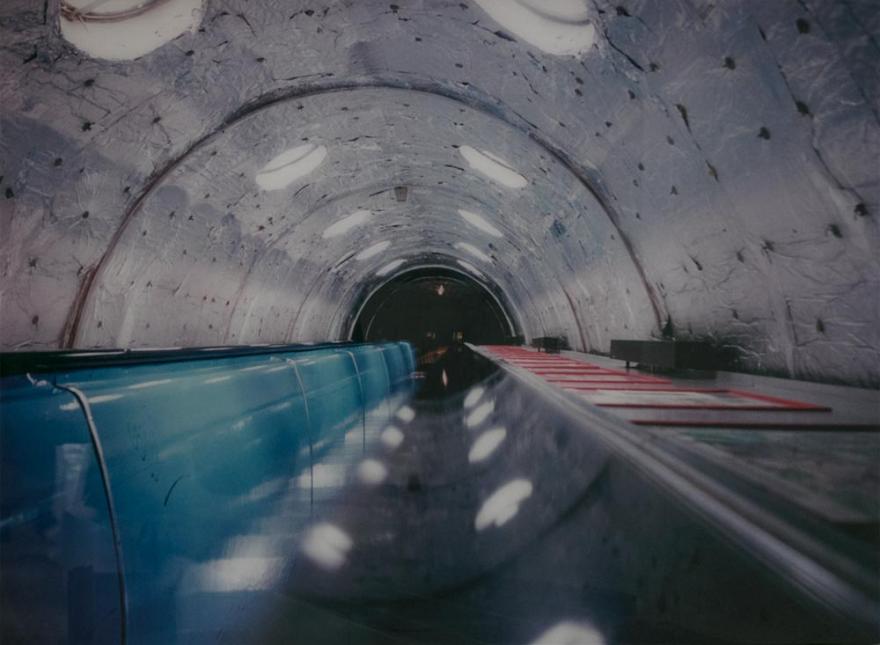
{"x": 550, "y": 344}
{"x": 667, "y": 354}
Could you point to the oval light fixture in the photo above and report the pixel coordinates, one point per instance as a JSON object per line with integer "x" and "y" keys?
{"x": 470, "y": 248}
{"x": 347, "y": 223}
{"x": 388, "y": 268}
{"x": 126, "y": 29}
{"x": 479, "y": 222}
{"x": 373, "y": 250}
{"x": 467, "y": 266}
{"x": 559, "y": 27}
{"x": 492, "y": 167}
{"x": 290, "y": 165}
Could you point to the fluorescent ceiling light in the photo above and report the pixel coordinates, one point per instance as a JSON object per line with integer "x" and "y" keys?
{"x": 492, "y": 167}
{"x": 560, "y": 27}
{"x": 347, "y": 223}
{"x": 290, "y": 165}
{"x": 467, "y": 266}
{"x": 470, "y": 248}
{"x": 126, "y": 29}
{"x": 388, "y": 268}
{"x": 480, "y": 222}
{"x": 373, "y": 250}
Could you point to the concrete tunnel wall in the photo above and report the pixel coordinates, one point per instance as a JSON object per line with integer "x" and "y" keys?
{"x": 712, "y": 165}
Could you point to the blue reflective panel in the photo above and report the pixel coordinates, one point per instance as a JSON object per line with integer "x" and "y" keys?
{"x": 409, "y": 356}
{"x": 333, "y": 395}
{"x": 373, "y": 373}
{"x": 59, "y": 581}
{"x": 397, "y": 371}
{"x": 202, "y": 457}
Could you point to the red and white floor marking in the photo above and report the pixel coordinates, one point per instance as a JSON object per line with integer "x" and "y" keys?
{"x": 628, "y": 389}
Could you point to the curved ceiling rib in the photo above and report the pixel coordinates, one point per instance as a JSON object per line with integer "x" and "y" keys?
{"x": 471, "y": 101}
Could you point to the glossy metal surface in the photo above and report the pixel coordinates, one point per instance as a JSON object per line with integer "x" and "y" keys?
{"x": 201, "y": 457}
{"x": 58, "y": 572}
{"x": 300, "y": 497}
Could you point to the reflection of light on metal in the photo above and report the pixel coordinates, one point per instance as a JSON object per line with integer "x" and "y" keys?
{"x": 371, "y": 471}
{"x": 486, "y": 444}
{"x": 406, "y": 414}
{"x": 473, "y": 396}
{"x": 145, "y": 384}
{"x": 440, "y": 289}
{"x": 503, "y": 504}
{"x": 391, "y": 437}
{"x": 104, "y": 398}
{"x": 444, "y": 378}
{"x": 479, "y": 415}
{"x": 323, "y": 476}
{"x": 570, "y": 633}
{"x": 327, "y": 546}
{"x": 235, "y": 574}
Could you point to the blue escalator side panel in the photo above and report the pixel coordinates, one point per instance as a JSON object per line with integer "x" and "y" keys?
{"x": 373, "y": 373}
{"x": 59, "y": 580}
{"x": 409, "y": 357}
{"x": 395, "y": 361}
{"x": 200, "y": 454}
{"x": 208, "y": 466}
{"x": 332, "y": 393}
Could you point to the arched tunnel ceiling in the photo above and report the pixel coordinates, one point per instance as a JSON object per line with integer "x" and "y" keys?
{"x": 712, "y": 166}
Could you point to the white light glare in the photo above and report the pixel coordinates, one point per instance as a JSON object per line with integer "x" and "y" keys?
{"x": 373, "y": 250}
{"x": 290, "y": 165}
{"x": 492, "y": 167}
{"x": 471, "y": 249}
{"x": 479, "y": 222}
{"x": 503, "y": 504}
{"x": 388, "y": 268}
{"x": 347, "y": 223}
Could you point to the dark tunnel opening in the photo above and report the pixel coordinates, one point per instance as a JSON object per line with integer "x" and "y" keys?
{"x": 434, "y": 309}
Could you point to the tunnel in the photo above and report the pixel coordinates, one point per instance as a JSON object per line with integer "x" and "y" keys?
{"x": 431, "y": 309}
{"x": 489, "y": 321}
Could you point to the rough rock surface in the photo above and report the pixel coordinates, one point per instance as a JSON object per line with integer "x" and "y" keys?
{"x": 706, "y": 167}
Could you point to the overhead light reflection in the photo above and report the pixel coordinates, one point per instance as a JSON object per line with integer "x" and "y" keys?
{"x": 327, "y": 546}
{"x": 406, "y": 414}
{"x": 479, "y": 415}
{"x": 486, "y": 444}
{"x": 571, "y": 633}
{"x": 503, "y": 504}
{"x": 372, "y": 472}
{"x": 391, "y": 437}
{"x": 473, "y": 396}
